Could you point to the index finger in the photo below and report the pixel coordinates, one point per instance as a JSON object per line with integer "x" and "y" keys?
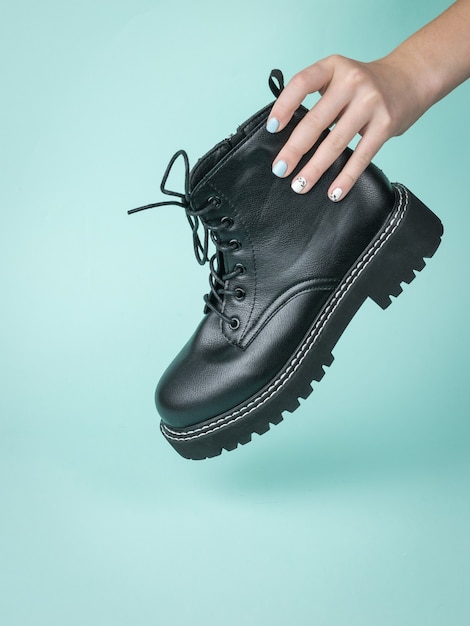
{"x": 311, "y": 79}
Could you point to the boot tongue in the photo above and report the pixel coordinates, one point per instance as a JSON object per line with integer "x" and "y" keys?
{"x": 218, "y": 152}
{"x": 207, "y": 162}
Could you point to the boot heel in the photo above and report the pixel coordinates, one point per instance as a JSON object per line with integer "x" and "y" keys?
{"x": 414, "y": 235}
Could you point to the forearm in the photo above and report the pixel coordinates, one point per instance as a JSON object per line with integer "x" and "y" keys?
{"x": 436, "y": 59}
{"x": 378, "y": 100}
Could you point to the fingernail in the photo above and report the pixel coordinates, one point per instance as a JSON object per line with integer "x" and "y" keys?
{"x": 336, "y": 194}
{"x": 299, "y": 184}
{"x": 280, "y": 168}
{"x": 272, "y": 125}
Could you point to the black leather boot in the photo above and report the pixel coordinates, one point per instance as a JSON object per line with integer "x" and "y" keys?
{"x": 288, "y": 274}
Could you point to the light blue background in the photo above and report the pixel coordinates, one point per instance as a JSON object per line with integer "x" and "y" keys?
{"x": 355, "y": 510}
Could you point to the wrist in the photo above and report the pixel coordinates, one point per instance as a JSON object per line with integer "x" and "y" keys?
{"x": 416, "y": 79}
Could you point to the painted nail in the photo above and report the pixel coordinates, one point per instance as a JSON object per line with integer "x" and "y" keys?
{"x": 336, "y": 194}
{"x": 280, "y": 168}
{"x": 299, "y": 184}
{"x": 272, "y": 125}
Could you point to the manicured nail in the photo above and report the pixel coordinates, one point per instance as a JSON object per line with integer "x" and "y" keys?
{"x": 299, "y": 184}
{"x": 336, "y": 194}
{"x": 272, "y": 125}
{"x": 280, "y": 168}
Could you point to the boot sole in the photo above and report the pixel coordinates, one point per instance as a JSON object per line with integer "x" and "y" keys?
{"x": 411, "y": 234}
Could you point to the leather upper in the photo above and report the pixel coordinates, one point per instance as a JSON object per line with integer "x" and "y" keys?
{"x": 294, "y": 250}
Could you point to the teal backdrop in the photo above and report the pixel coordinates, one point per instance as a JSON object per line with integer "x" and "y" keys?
{"x": 355, "y": 510}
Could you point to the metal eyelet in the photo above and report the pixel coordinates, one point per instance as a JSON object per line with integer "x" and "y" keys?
{"x": 235, "y": 244}
{"x": 226, "y": 222}
{"x": 241, "y": 269}
{"x": 239, "y": 293}
{"x": 215, "y": 200}
{"x": 234, "y": 323}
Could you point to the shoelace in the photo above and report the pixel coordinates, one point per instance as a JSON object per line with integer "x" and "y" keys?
{"x": 217, "y": 280}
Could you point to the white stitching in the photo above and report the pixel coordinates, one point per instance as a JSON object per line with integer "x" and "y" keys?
{"x": 311, "y": 339}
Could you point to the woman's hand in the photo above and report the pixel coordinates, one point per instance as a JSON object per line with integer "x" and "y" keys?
{"x": 374, "y": 99}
